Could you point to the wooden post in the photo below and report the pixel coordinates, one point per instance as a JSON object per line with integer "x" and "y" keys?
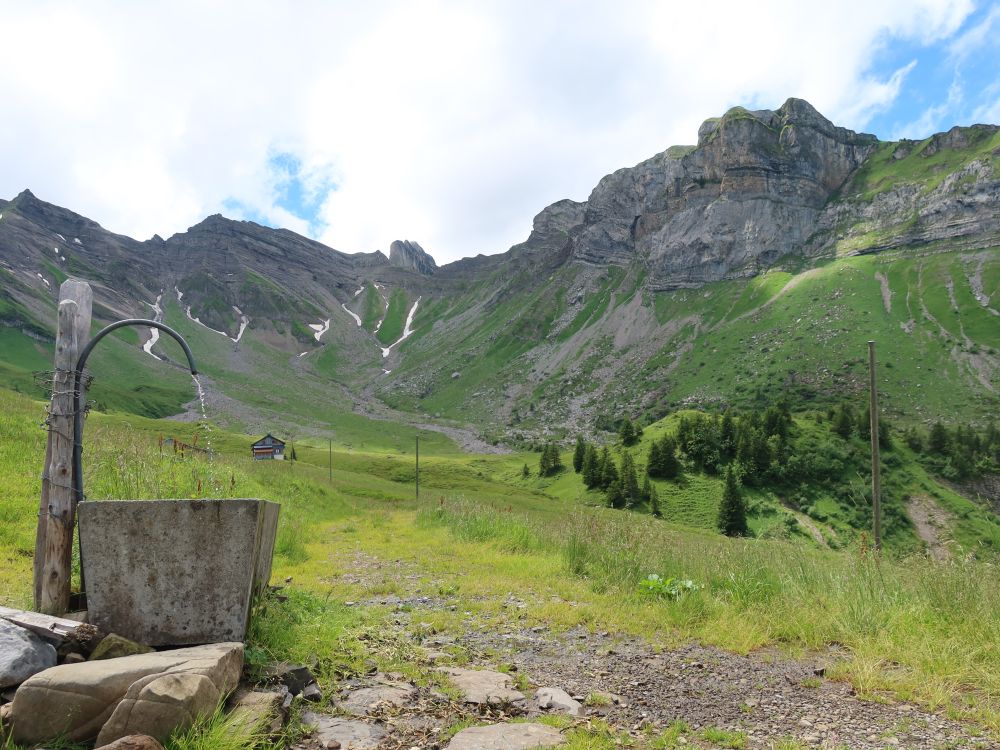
{"x": 57, "y": 509}
{"x": 329, "y": 459}
{"x": 873, "y": 416}
{"x": 418, "y": 467}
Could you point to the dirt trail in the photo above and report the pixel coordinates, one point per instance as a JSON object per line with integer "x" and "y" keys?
{"x": 646, "y": 687}
{"x": 883, "y": 280}
{"x": 932, "y": 523}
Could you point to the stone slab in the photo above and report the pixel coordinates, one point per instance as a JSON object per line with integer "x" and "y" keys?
{"x": 350, "y": 733}
{"x": 175, "y": 572}
{"x": 80, "y": 701}
{"x": 557, "y": 700}
{"x": 481, "y": 686}
{"x": 364, "y": 701}
{"x": 506, "y": 737}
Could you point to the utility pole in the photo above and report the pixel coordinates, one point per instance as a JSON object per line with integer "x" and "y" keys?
{"x": 873, "y": 415}
{"x": 329, "y": 459}
{"x": 418, "y": 467}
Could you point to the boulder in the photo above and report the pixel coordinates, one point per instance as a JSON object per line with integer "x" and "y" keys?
{"x": 22, "y": 654}
{"x": 254, "y": 711}
{"x": 113, "y": 698}
{"x": 483, "y": 686}
{"x": 506, "y": 737}
{"x": 133, "y": 742}
{"x": 114, "y": 646}
{"x": 557, "y": 700}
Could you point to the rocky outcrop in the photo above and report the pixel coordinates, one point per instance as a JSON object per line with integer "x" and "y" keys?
{"x": 144, "y": 694}
{"x": 409, "y": 255}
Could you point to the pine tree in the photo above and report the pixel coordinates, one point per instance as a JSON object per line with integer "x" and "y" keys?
{"x": 654, "y": 502}
{"x": 629, "y": 482}
{"x": 670, "y": 467}
{"x": 732, "y": 510}
{"x": 555, "y": 459}
{"x": 545, "y": 462}
{"x": 609, "y": 472}
{"x": 937, "y": 442}
{"x": 653, "y": 461}
{"x": 727, "y": 435}
{"x": 592, "y": 469}
{"x": 525, "y": 471}
{"x": 616, "y": 498}
{"x": 647, "y": 489}
{"x": 578, "y": 453}
{"x": 627, "y": 433}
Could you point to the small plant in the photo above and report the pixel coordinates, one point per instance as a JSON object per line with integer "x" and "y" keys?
{"x": 725, "y": 738}
{"x": 670, "y": 588}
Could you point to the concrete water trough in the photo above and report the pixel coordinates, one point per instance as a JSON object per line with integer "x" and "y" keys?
{"x": 176, "y": 572}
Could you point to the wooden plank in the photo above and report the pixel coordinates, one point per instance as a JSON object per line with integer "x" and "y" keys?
{"x": 57, "y": 510}
{"x": 53, "y": 629}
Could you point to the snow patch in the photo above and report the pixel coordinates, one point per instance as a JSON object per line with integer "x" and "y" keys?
{"x": 60, "y": 237}
{"x": 353, "y": 315}
{"x": 360, "y": 288}
{"x": 303, "y": 354}
{"x": 320, "y": 328}
{"x": 43, "y": 279}
{"x": 244, "y": 322}
{"x": 77, "y": 240}
{"x": 180, "y": 294}
{"x": 154, "y": 333}
{"x": 407, "y": 330}
{"x": 55, "y": 250}
{"x": 385, "y": 371}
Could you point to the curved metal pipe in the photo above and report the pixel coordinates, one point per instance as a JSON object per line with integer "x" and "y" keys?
{"x": 78, "y": 390}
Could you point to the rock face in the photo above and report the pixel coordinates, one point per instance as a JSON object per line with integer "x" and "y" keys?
{"x": 22, "y": 654}
{"x": 750, "y": 192}
{"x": 406, "y": 254}
{"x": 144, "y": 694}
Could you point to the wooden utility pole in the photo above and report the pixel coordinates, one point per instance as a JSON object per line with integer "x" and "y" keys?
{"x": 329, "y": 459}
{"x": 57, "y": 509}
{"x": 873, "y": 416}
{"x": 418, "y": 467}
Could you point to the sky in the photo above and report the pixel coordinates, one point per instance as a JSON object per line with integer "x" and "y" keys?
{"x": 447, "y": 123}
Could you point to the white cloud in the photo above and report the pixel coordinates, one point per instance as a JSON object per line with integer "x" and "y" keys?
{"x": 444, "y": 122}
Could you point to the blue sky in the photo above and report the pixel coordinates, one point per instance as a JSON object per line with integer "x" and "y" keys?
{"x": 441, "y": 121}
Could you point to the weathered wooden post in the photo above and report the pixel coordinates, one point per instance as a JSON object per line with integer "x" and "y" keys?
{"x": 57, "y": 509}
{"x": 873, "y": 416}
{"x": 418, "y": 467}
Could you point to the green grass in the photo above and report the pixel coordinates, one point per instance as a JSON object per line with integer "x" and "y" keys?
{"x": 395, "y": 317}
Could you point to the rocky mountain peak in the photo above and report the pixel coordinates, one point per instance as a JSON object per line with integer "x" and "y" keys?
{"x": 406, "y": 254}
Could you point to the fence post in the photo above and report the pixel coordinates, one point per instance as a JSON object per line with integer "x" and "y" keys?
{"x": 57, "y": 508}
{"x": 873, "y": 416}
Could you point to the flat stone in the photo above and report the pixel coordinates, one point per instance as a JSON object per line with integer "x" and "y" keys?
{"x": 113, "y": 698}
{"x": 506, "y": 737}
{"x": 133, "y": 742}
{"x": 257, "y": 710}
{"x": 176, "y": 572}
{"x": 481, "y": 686}
{"x": 352, "y": 734}
{"x": 362, "y": 702}
{"x": 557, "y": 700}
{"x": 114, "y": 646}
{"x": 22, "y": 654}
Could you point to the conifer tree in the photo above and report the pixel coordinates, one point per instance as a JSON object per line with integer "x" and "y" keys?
{"x": 627, "y": 433}
{"x": 629, "y": 482}
{"x": 609, "y": 472}
{"x": 937, "y": 442}
{"x": 653, "y": 461}
{"x": 843, "y": 421}
{"x": 670, "y": 467}
{"x": 615, "y": 496}
{"x": 544, "y": 462}
{"x": 647, "y": 489}
{"x": 732, "y": 511}
{"x": 578, "y": 453}
{"x": 555, "y": 459}
{"x": 592, "y": 469}
{"x": 525, "y": 471}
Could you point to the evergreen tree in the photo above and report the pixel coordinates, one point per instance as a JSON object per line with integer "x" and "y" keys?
{"x": 654, "y": 460}
{"x": 615, "y": 496}
{"x": 647, "y": 489}
{"x": 937, "y": 442}
{"x": 732, "y": 510}
{"x": 727, "y": 435}
{"x": 670, "y": 467}
{"x": 592, "y": 469}
{"x": 555, "y": 458}
{"x": 550, "y": 462}
{"x": 609, "y": 472}
{"x": 628, "y": 479}
{"x": 578, "y": 454}
{"x": 627, "y": 433}
{"x": 654, "y": 503}
{"x": 525, "y": 471}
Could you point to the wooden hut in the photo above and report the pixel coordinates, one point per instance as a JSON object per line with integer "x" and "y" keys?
{"x": 268, "y": 447}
